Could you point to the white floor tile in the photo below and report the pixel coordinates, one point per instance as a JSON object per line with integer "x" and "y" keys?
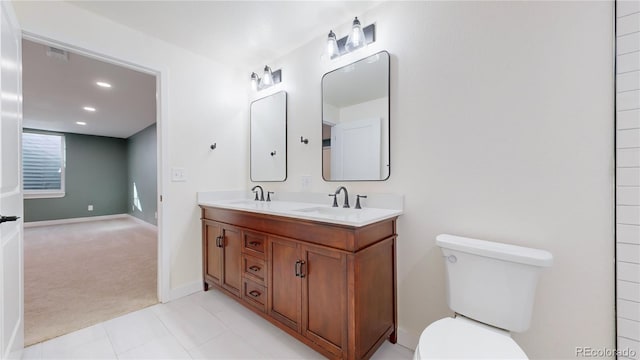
{"x": 98, "y": 349}
{"x": 33, "y": 352}
{"x": 389, "y": 351}
{"x": 214, "y": 301}
{"x": 135, "y": 329}
{"x": 188, "y": 322}
{"x": 87, "y": 338}
{"x": 205, "y": 325}
{"x": 227, "y": 346}
{"x": 290, "y": 348}
{"x": 166, "y": 347}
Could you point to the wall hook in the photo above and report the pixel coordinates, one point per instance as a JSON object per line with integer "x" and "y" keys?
{"x": 303, "y": 140}
{"x": 213, "y": 146}
{"x": 273, "y": 153}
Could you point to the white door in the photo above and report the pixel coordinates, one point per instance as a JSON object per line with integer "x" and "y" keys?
{"x": 355, "y": 150}
{"x": 11, "y": 265}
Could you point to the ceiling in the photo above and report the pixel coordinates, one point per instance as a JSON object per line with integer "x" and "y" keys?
{"x": 236, "y": 33}
{"x": 240, "y": 34}
{"x": 55, "y": 92}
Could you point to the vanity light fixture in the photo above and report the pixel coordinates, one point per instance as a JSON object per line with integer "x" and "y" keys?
{"x": 358, "y": 37}
{"x": 103, "y": 84}
{"x": 89, "y": 108}
{"x": 255, "y": 80}
{"x": 332, "y": 45}
{"x": 269, "y": 78}
{"x": 81, "y": 123}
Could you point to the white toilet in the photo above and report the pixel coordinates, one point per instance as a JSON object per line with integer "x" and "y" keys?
{"x": 491, "y": 287}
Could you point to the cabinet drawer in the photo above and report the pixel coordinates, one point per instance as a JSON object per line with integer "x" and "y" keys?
{"x": 255, "y": 294}
{"x": 254, "y": 268}
{"x": 254, "y": 244}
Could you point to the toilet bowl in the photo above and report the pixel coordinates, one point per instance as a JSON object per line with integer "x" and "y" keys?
{"x": 462, "y": 338}
{"x": 491, "y": 287}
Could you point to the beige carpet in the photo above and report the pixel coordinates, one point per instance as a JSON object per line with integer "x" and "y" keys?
{"x": 77, "y": 275}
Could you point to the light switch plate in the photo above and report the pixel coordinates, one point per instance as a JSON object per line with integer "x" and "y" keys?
{"x": 178, "y": 174}
{"x": 305, "y": 182}
{"x": 90, "y": 208}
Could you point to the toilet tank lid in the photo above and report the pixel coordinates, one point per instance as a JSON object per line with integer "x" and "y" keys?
{"x": 507, "y": 252}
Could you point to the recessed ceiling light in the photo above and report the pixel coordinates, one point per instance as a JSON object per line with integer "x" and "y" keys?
{"x": 89, "y": 108}
{"x": 103, "y": 84}
{"x": 81, "y": 123}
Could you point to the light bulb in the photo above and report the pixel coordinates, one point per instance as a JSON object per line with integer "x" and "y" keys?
{"x": 332, "y": 46}
{"x": 254, "y": 81}
{"x": 356, "y": 38}
{"x": 267, "y": 78}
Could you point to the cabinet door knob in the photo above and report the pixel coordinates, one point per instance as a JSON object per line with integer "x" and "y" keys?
{"x": 254, "y": 243}
{"x": 254, "y": 268}
{"x": 219, "y": 241}
{"x": 254, "y": 293}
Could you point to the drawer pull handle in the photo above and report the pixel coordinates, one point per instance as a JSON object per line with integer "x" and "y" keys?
{"x": 254, "y": 268}
{"x": 296, "y": 268}
{"x": 254, "y": 293}
{"x": 302, "y": 274}
{"x": 219, "y": 242}
{"x": 254, "y": 243}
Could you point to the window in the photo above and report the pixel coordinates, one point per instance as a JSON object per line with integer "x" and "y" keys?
{"x": 43, "y": 162}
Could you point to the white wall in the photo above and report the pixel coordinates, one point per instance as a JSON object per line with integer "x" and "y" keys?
{"x": 204, "y": 103}
{"x": 501, "y": 129}
{"x": 628, "y": 179}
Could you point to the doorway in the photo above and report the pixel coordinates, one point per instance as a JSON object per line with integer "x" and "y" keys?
{"x": 104, "y": 203}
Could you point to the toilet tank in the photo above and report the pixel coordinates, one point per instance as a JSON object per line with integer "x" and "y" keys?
{"x": 491, "y": 282}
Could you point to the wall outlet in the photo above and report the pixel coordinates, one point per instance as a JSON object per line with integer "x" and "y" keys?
{"x": 90, "y": 207}
{"x": 178, "y": 174}
{"x": 305, "y": 182}
{"x": 156, "y": 215}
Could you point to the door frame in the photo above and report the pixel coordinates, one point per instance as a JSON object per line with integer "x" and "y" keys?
{"x": 162, "y": 151}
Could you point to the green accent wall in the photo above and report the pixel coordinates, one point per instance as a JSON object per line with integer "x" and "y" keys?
{"x": 95, "y": 174}
{"x": 142, "y": 171}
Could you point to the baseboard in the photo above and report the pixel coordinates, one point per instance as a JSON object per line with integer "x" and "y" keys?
{"x": 73, "y": 220}
{"x": 142, "y": 222}
{"x": 408, "y": 339}
{"x": 185, "y": 290}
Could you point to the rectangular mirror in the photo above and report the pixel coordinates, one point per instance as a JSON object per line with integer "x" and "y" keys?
{"x": 269, "y": 138}
{"x": 355, "y": 121}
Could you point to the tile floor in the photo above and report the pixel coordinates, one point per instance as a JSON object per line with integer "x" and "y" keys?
{"x": 205, "y": 325}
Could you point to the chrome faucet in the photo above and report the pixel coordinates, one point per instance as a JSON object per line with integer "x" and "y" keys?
{"x": 256, "y": 192}
{"x": 346, "y": 197}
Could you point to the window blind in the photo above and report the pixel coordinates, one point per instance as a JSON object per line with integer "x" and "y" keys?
{"x": 42, "y": 162}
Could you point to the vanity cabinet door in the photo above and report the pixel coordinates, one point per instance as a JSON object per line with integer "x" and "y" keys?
{"x": 222, "y": 258}
{"x": 284, "y": 302}
{"x": 308, "y": 292}
{"x": 212, "y": 262}
{"x": 324, "y": 298}
{"x": 232, "y": 259}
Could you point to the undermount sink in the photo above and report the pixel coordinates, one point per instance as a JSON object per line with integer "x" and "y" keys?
{"x": 244, "y": 202}
{"x": 331, "y": 211}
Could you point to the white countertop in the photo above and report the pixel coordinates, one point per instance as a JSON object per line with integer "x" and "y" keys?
{"x": 298, "y": 209}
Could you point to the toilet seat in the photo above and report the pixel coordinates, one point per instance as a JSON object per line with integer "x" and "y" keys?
{"x": 462, "y": 338}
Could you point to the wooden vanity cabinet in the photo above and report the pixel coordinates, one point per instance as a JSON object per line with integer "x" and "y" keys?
{"x": 331, "y": 286}
{"x": 222, "y": 261}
